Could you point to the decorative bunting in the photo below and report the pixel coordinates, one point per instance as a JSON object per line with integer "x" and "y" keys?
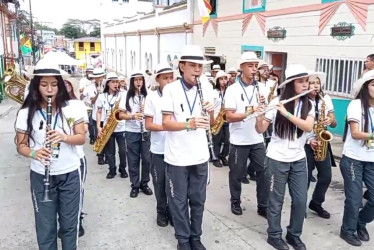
{"x": 359, "y": 11}
{"x": 215, "y": 26}
{"x": 245, "y": 22}
{"x": 261, "y": 19}
{"x": 327, "y": 13}
{"x": 205, "y": 27}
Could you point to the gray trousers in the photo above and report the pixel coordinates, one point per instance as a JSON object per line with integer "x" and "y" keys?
{"x": 238, "y": 157}
{"x": 136, "y": 150}
{"x": 158, "y": 172}
{"x": 354, "y": 173}
{"x": 295, "y": 174}
{"x": 186, "y": 191}
{"x": 110, "y": 152}
{"x": 65, "y": 195}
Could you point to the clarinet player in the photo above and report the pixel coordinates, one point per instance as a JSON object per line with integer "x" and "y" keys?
{"x": 66, "y": 131}
{"x": 186, "y": 147}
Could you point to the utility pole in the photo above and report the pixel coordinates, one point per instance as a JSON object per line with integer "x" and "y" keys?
{"x": 32, "y": 36}
{"x": 20, "y": 56}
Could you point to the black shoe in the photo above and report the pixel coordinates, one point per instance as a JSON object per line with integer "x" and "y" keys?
{"x": 146, "y": 190}
{"x": 217, "y": 164}
{"x": 319, "y": 210}
{"x": 106, "y": 161}
{"x": 252, "y": 177}
{"x": 362, "y": 233}
{"x": 124, "y": 174}
{"x": 100, "y": 161}
{"x": 236, "y": 209}
{"x": 162, "y": 220}
{"x": 110, "y": 175}
{"x": 277, "y": 243}
{"x": 366, "y": 195}
{"x": 81, "y": 229}
{"x": 197, "y": 245}
{"x": 262, "y": 211}
{"x": 313, "y": 179}
{"x": 92, "y": 141}
{"x": 224, "y": 161}
{"x": 245, "y": 180}
{"x": 295, "y": 242}
{"x": 184, "y": 246}
{"x": 134, "y": 192}
{"x": 351, "y": 239}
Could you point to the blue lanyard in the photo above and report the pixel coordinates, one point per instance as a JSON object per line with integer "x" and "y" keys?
{"x": 45, "y": 118}
{"x": 298, "y": 108}
{"x": 245, "y": 92}
{"x": 188, "y": 101}
{"x": 220, "y": 94}
{"x": 371, "y": 121}
{"x": 109, "y": 102}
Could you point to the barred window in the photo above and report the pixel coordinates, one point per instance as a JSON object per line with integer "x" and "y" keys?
{"x": 341, "y": 74}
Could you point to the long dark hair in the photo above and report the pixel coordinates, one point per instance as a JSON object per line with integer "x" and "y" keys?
{"x": 284, "y": 128}
{"x": 364, "y": 96}
{"x": 132, "y": 90}
{"x": 34, "y": 99}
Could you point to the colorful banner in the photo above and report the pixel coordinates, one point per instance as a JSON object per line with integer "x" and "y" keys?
{"x": 205, "y": 8}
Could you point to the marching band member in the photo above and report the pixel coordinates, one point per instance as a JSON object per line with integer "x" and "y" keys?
{"x": 84, "y": 83}
{"x": 223, "y": 135}
{"x": 240, "y": 100}
{"x": 137, "y": 138}
{"x": 323, "y": 167}
{"x": 106, "y": 103}
{"x": 186, "y": 151}
{"x": 66, "y": 131}
{"x": 233, "y": 74}
{"x": 285, "y": 157}
{"x": 153, "y": 123}
{"x": 122, "y": 84}
{"x": 357, "y": 163}
{"x": 214, "y": 70}
{"x": 264, "y": 82}
{"x": 91, "y": 93}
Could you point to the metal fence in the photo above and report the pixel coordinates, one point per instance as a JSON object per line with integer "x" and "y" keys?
{"x": 341, "y": 74}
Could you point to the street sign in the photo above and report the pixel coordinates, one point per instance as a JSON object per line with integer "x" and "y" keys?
{"x": 342, "y": 31}
{"x": 277, "y": 33}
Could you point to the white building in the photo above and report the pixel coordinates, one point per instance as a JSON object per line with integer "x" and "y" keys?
{"x": 140, "y": 34}
{"x": 290, "y": 31}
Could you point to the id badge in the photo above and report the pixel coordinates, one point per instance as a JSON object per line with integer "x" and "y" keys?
{"x": 370, "y": 145}
{"x": 295, "y": 143}
{"x": 249, "y": 110}
{"x": 108, "y": 112}
{"x": 55, "y": 151}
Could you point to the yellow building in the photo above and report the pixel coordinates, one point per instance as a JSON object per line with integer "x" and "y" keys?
{"x": 85, "y": 47}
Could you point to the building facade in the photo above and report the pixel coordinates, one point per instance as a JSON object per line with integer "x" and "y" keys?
{"x": 85, "y": 47}
{"x": 145, "y": 34}
{"x": 333, "y": 36}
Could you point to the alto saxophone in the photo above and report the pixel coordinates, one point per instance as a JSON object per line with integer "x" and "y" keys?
{"x": 323, "y": 136}
{"x": 219, "y": 121}
{"x": 108, "y": 130}
{"x": 15, "y": 85}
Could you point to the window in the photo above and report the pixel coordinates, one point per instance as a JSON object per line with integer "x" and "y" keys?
{"x": 213, "y": 13}
{"x": 341, "y": 74}
{"x": 150, "y": 63}
{"x": 112, "y": 58}
{"x": 173, "y": 66}
{"x": 146, "y": 61}
{"x": 250, "y": 6}
{"x": 120, "y": 59}
{"x": 168, "y": 59}
{"x": 92, "y": 46}
{"x": 168, "y": 2}
{"x": 329, "y": 1}
{"x": 259, "y": 50}
{"x": 81, "y": 46}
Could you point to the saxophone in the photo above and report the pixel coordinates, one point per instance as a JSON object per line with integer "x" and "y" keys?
{"x": 271, "y": 94}
{"x": 108, "y": 130}
{"x": 219, "y": 121}
{"x": 323, "y": 136}
{"x": 15, "y": 85}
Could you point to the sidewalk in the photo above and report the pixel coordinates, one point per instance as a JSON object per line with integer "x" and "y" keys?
{"x": 6, "y": 106}
{"x": 337, "y": 146}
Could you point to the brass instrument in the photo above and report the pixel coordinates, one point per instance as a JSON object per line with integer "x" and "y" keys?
{"x": 15, "y": 85}
{"x": 107, "y": 130}
{"x": 323, "y": 136}
{"x": 219, "y": 121}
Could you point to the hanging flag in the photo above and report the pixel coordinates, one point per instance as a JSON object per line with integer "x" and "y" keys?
{"x": 26, "y": 46}
{"x": 205, "y": 8}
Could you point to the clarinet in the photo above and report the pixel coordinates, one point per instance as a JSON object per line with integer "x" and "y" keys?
{"x": 204, "y": 113}
{"x": 47, "y": 166}
{"x": 141, "y": 122}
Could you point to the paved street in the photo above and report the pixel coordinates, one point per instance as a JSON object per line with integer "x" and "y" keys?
{"x": 116, "y": 221}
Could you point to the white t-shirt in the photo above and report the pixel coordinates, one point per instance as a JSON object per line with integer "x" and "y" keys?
{"x": 89, "y": 93}
{"x": 266, "y": 88}
{"x": 68, "y": 159}
{"x": 153, "y": 109}
{"x": 218, "y": 100}
{"x": 237, "y": 98}
{"x": 185, "y": 148}
{"x": 285, "y": 150}
{"x": 352, "y": 148}
{"x": 79, "y": 106}
{"x": 133, "y": 125}
{"x": 107, "y": 103}
{"x": 329, "y": 109}
{"x": 84, "y": 82}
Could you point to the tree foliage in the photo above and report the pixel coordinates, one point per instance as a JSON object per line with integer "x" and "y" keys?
{"x": 76, "y": 28}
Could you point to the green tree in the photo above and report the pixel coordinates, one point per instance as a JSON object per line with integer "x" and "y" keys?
{"x": 96, "y": 32}
{"x": 71, "y": 31}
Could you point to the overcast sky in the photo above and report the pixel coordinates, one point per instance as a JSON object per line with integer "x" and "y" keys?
{"x": 59, "y": 11}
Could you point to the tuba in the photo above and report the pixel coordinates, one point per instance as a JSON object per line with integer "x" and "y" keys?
{"x": 323, "y": 136}
{"x": 15, "y": 85}
{"x": 108, "y": 130}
